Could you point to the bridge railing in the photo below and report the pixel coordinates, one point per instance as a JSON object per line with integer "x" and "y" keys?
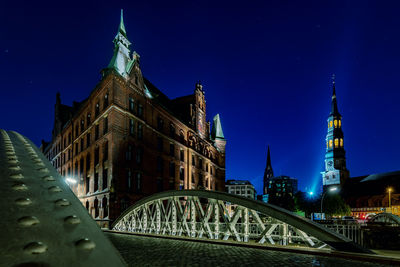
{"x": 217, "y": 215}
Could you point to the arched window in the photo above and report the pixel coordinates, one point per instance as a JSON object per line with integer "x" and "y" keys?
{"x": 105, "y": 179}
{"x": 336, "y": 142}
{"x": 331, "y": 124}
{"x": 336, "y": 123}
{"x": 105, "y": 207}
{"x": 341, "y": 142}
{"x": 330, "y": 143}
{"x": 96, "y": 208}
{"x": 340, "y": 123}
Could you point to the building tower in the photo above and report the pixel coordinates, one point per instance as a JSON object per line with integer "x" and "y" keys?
{"x": 335, "y": 161}
{"x": 268, "y": 174}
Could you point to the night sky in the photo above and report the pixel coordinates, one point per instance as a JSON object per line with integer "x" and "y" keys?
{"x": 265, "y": 66}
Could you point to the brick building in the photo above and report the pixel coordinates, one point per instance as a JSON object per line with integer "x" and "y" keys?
{"x": 128, "y": 140}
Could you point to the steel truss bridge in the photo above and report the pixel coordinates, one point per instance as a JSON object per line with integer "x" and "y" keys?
{"x": 45, "y": 224}
{"x": 218, "y": 215}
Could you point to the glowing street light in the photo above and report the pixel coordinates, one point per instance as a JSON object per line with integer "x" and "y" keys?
{"x": 70, "y": 180}
{"x": 311, "y": 193}
{"x": 390, "y": 191}
{"x": 331, "y": 189}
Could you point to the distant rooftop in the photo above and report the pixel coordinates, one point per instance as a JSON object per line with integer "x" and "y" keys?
{"x": 237, "y": 182}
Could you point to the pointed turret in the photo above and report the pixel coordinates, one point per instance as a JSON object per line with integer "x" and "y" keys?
{"x": 121, "y": 58}
{"x": 216, "y": 131}
{"x": 217, "y": 135}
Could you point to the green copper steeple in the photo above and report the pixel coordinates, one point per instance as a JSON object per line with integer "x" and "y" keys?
{"x": 216, "y": 131}
{"x": 122, "y": 54}
{"x": 121, "y": 28}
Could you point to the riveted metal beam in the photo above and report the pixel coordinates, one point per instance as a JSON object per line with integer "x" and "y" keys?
{"x": 42, "y": 222}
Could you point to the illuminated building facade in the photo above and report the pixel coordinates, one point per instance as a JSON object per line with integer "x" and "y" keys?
{"x": 335, "y": 161}
{"x": 128, "y": 140}
{"x": 241, "y": 188}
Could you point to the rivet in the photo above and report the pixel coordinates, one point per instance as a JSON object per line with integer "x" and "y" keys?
{"x": 35, "y": 248}
{"x": 15, "y": 168}
{"x": 73, "y": 219}
{"x": 55, "y": 189}
{"x": 23, "y": 201}
{"x": 85, "y": 244}
{"x": 28, "y": 221}
{"x": 17, "y": 176}
{"x": 20, "y": 187}
{"x": 62, "y": 202}
{"x": 49, "y": 178}
{"x": 43, "y": 169}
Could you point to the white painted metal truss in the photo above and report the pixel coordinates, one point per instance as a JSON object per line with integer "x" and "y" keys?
{"x": 217, "y": 215}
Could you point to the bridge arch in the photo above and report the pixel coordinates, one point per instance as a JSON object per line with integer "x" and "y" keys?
{"x": 219, "y": 215}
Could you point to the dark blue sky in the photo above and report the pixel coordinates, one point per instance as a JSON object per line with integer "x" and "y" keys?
{"x": 265, "y": 67}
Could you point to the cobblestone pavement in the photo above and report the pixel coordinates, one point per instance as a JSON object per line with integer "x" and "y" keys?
{"x": 150, "y": 251}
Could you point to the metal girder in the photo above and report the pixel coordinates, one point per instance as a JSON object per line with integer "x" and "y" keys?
{"x": 43, "y": 223}
{"x": 193, "y": 219}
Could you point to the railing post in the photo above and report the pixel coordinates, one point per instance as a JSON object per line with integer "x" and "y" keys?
{"x": 216, "y": 220}
{"x": 174, "y": 217}
{"x": 158, "y": 217}
{"x": 245, "y": 216}
{"x": 193, "y": 217}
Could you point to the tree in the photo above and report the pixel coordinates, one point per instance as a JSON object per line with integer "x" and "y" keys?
{"x": 334, "y": 205}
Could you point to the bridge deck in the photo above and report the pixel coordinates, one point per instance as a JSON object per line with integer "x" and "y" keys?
{"x": 153, "y": 251}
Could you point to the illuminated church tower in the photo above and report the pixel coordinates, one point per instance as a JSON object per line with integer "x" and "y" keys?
{"x": 335, "y": 161}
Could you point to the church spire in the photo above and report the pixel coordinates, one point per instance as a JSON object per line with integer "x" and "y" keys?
{"x": 121, "y": 28}
{"x": 122, "y": 54}
{"x": 268, "y": 173}
{"x": 334, "y": 108}
{"x": 268, "y": 169}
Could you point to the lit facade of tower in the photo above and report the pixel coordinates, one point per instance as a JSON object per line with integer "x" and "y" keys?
{"x": 335, "y": 161}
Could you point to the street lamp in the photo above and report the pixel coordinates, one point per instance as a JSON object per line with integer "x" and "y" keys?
{"x": 70, "y": 180}
{"x": 390, "y": 191}
{"x": 332, "y": 189}
{"x": 311, "y": 193}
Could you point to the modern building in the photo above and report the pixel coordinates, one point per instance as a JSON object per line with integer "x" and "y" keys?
{"x": 281, "y": 186}
{"x": 241, "y": 188}
{"x": 128, "y": 140}
{"x": 335, "y": 172}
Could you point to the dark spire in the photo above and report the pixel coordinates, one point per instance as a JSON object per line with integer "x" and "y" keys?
{"x": 268, "y": 169}
{"x": 334, "y": 108}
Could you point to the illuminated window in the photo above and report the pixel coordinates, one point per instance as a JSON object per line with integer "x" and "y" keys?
{"x": 336, "y": 123}
{"x": 331, "y": 124}
{"x": 340, "y": 123}
{"x": 330, "y": 143}
{"x": 341, "y": 142}
{"x": 336, "y": 142}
